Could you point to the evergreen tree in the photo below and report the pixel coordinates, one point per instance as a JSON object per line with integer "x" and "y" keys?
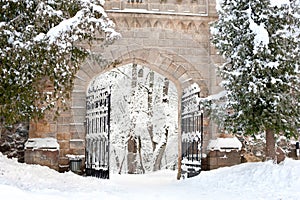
{"x": 38, "y": 51}
{"x": 259, "y": 40}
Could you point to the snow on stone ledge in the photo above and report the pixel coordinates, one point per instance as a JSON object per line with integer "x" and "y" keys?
{"x": 224, "y": 144}
{"x": 49, "y": 144}
{"x": 75, "y": 157}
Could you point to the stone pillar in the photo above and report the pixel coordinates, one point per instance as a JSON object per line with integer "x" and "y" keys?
{"x": 223, "y": 152}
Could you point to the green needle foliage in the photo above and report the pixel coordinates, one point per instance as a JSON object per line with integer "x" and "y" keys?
{"x": 260, "y": 43}
{"x": 38, "y": 53}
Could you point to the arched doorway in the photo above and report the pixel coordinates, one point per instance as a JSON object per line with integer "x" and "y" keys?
{"x": 173, "y": 67}
{"x": 132, "y": 122}
{"x": 70, "y": 129}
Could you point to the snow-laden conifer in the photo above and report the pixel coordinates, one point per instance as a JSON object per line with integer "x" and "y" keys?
{"x": 39, "y": 49}
{"x": 259, "y": 40}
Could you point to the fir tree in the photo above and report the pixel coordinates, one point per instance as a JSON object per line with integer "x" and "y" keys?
{"x": 259, "y": 40}
{"x": 38, "y": 50}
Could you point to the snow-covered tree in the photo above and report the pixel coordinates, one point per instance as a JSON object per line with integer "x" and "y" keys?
{"x": 259, "y": 40}
{"x": 39, "y": 51}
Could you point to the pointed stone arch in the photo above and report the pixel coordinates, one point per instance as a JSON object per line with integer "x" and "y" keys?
{"x": 158, "y": 24}
{"x": 169, "y": 25}
{"x": 202, "y": 26}
{"x": 147, "y": 24}
{"x": 168, "y": 64}
{"x": 135, "y": 23}
{"x": 192, "y": 27}
{"x": 182, "y": 26}
{"x": 123, "y": 23}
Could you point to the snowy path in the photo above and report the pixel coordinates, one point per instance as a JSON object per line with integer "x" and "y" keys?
{"x": 245, "y": 181}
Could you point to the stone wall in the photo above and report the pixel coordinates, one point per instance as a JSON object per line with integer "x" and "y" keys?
{"x": 42, "y": 151}
{"x": 42, "y": 157}
{"x": 216, "y": 159}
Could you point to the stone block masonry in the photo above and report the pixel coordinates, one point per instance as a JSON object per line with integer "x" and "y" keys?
{"x": 223, "y": 152}
{"x": 42, "y": 151}
{"x": 217, "y": 159}
{"x": 42, "y": 157}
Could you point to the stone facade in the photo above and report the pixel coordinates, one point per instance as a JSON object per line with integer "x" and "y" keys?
{"x": 170, "y": 37}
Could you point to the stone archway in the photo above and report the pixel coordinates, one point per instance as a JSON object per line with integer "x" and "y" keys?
{"x": 70, "y": 130}
{"x": 171, "y": 66}
{"x": 181, "y": 73}
{"x": 174, "y": 45}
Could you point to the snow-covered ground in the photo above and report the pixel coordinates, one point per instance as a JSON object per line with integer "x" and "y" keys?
{"x": 245, "y": 181}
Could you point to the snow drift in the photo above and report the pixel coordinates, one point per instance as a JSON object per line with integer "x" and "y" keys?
{"x": 246, "y": 181}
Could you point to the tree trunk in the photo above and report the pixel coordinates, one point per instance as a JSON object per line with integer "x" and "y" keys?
{"x": 132, "y": 144}
{"x": 121, "y": 165}
{"x": 270, "y": 145}
{"x": 134, "y": 77}
{"x": 117, "y": 159}
{"x": 140, "y": 154}
{"x": 161, "y": 149}
{"x": 150, "y": 109}
{"x": 166, "y": 91}
{"x": 131, "y": 156}
{"x": 160, "y": 152}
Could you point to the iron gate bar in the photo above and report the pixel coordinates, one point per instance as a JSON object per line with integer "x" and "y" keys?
{"x": 98, "y": 132}
{"x": 192, "y": 132}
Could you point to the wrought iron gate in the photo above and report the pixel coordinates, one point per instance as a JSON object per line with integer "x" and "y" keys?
{"x": 192, "y": 132}
{"x": 98, "y": 131}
